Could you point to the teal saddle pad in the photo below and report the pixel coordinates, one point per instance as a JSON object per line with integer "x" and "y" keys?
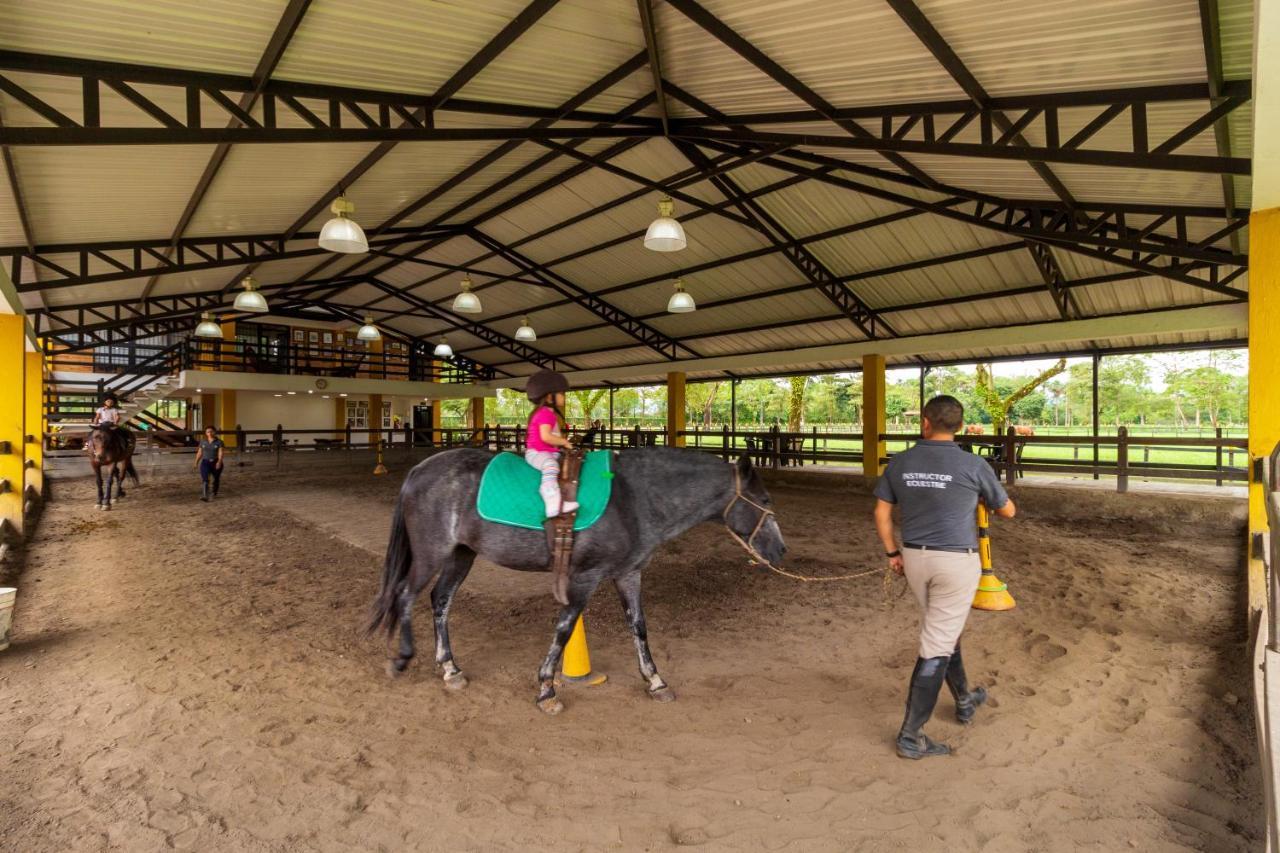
{"x": 509, "y": 491}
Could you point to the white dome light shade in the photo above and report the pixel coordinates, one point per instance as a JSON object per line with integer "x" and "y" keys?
{"x": 665, "y": 234}
{"x": 207, "y": 328}
{"x": 250, "y": 299}
{"x": 443, "y": 350}
{"x": 525, "y": 332}
{"x": 341, "y": 234}
{"x": 466, "y": 302}
{"x": 369, "y": 332}
{"x": 681, "y": 302}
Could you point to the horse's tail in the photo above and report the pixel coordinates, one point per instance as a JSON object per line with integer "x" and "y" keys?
{"x": 395, "y": 574}
{"x": 130, "y": 470}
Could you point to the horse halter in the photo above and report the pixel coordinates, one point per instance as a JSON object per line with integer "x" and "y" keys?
{"x": 747, "y": 544}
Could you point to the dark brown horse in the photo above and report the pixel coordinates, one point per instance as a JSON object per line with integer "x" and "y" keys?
{"x": 111, "y": 447}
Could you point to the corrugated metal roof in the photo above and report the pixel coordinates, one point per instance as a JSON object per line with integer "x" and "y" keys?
{"x": 852, "y": 53}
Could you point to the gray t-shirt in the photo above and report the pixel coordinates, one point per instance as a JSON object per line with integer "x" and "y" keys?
{"x": 209, "y": 449}
{"x": 936, "y": 486}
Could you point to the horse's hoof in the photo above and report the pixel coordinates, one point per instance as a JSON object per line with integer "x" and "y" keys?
{"x": 397, "y": 666}
{"x": 663, "y": 694}
{"x": 550, "y": 706}
{"x": 97, "y": 506}
{"x": 106, "y": 508}
{"x": 455, "y": 680}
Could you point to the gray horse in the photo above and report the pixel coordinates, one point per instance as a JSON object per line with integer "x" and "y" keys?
{"x": 658, "y": 494}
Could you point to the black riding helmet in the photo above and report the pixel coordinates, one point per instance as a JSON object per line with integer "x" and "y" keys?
{"x": 112, "y": 397}
{"x": 545, "y": 382}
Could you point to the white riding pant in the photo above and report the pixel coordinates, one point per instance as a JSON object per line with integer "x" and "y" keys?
{"x": 944, "y": 584}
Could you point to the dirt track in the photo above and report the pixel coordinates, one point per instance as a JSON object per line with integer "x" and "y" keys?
{"x": 190, "y": 676}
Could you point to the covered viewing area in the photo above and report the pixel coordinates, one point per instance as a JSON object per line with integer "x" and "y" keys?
{"x": 310, "y": 249}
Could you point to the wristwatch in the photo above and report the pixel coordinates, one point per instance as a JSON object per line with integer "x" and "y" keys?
{"x": 893, "y": 553}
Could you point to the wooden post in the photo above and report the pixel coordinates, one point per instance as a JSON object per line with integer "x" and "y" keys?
{"x": 375, "y": 419}
{"x": 1010, "y": 452}
{"x": 1218, "y": 454}
{"x": 873, "y": 423}
{"x": 724, "y": 442}
{"x": 775, "y": 438}
{"x": 277, "y": 442}
{"x": 1122, "y": 459}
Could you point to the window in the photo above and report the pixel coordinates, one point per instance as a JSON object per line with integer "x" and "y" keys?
{"x": 386, "y": 416}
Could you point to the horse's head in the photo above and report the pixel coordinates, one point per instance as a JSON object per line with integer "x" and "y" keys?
{"x": 98, "y": 446}
{"x": 749, "y": 515}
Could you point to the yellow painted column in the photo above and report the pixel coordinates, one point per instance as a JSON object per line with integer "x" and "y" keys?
{"x": 227, "y": 417}
{"x": 675, "y": 409}
{"x": 208, "y": 411}
{"x": 12, "y": 436}
{"x": 873, "y": 448}
{"x": 231, "y": 359}
{"x": 437, "y": 414}
{"x": 477, "y": 412}
{"x": 34, "y": 425}
{"x": 1264, "y": 369}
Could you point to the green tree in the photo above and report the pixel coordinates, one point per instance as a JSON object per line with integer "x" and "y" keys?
{"x": 795, "y": 403}
{"x": 998, "y": 405}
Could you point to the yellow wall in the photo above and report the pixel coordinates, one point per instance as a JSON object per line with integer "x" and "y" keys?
{"x": 1264, "y": 365}
{"x": 12, "y": 403}
{"x": 34, "y": 425}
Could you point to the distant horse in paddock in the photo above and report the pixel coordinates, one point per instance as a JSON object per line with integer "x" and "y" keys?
{"x": 658, "y": 493}
{"x": 111, "y": 448}
{"x": 974, "y": 429}
{"x": 1024, "y": 430}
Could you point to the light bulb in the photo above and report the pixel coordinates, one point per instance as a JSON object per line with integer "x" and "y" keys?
{"x": 665, "y": 234}
{"x": 341, "y": 234}
{"x": 466, "y": 302}
{"x": 681, "y": 302}
{"x": 525, "y": 332}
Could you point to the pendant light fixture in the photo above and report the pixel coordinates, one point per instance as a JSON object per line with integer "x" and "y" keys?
{"x": 443, "y": 350}
{"x": 466, "y": 302}
{"x": 368, "y": 332}
{"x": 681, "y": 302}
{"x": 525, "y": 332}
{"x": 206, "y": 328}
{"x": 665, "y": 234}
{"x": 250, "y": 299}
{"x": 341, "y": 234}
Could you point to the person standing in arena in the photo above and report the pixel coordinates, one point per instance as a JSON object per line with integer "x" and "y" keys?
{"x": 936, "y": 487}
{"x": 209, "y": 462}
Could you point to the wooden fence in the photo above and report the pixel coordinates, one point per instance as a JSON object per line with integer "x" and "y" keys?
{"x": 1012, "y": 455}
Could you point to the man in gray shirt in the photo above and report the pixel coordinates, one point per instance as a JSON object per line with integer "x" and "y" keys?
{"x": 936, "y": 486}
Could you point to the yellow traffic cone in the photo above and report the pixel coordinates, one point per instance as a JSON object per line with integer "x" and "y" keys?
{"x": 992, "y": 594}
{"x": 576, "y": 662}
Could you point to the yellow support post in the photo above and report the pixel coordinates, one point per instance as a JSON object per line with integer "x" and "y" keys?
{"x": 675, "y": 409}
{"x": 873, "y": 422}
{"x": 227, "y": 417}
{"x": 991, "y": 594}
{"x": 375, "y": 417}
{"x": 34, "y": 427}
{"x": 437, "y": 418}
{"x": 576, "y": 662}
{"x": 340, "y": 415}
{"x": 1264, "y": 375}
{"x": 12, "y": 437}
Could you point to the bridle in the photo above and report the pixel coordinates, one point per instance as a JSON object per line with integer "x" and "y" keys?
{"x": 747, "y": 544}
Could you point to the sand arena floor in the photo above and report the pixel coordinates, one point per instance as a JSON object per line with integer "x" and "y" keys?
{"x": 190, "y": 676}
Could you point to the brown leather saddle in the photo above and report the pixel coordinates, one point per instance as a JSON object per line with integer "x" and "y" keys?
{"x": 560, "y": 529}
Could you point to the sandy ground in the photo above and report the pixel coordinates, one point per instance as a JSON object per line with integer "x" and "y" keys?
{"x": 191, "y": 676}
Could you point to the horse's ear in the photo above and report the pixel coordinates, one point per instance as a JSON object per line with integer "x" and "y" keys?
{"x": 744, "y": 464}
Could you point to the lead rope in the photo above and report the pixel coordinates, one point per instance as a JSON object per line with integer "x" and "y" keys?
{"x": 759, "y": 559}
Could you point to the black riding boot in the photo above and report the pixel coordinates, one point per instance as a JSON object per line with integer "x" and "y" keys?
{"x": 204, "y": 491}
{"x": 967, "y": 701}
{"x": 926, "y": 683}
